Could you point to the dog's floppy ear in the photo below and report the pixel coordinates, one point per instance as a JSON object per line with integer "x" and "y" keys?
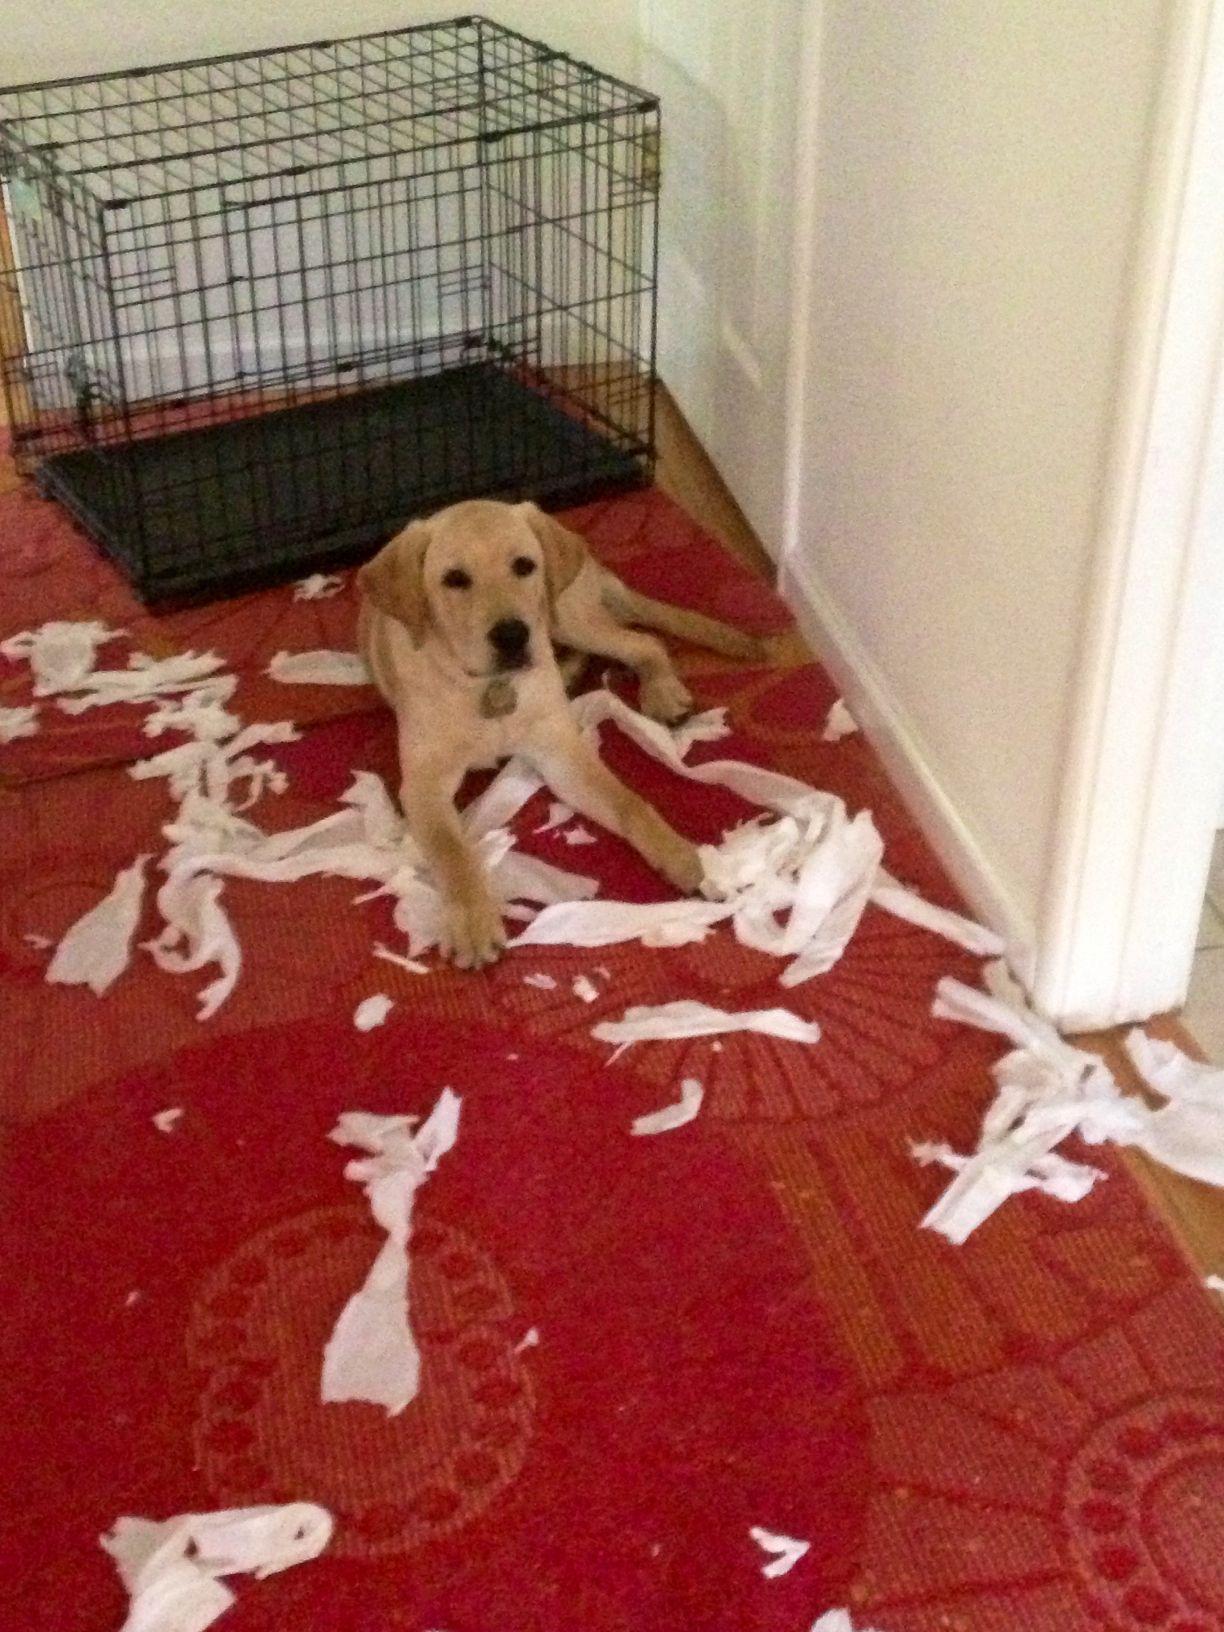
{"x": 564, "y": 552}
{"x": 394, "y": 582}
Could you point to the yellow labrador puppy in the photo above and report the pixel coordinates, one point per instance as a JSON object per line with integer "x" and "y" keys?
{"x": 458, "y": 621}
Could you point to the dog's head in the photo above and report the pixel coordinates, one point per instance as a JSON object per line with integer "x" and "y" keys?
{"x": 481, "y": 577}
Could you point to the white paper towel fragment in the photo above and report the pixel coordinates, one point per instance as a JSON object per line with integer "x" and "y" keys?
{"x": 1214, "y": 1283}
{"x": 785, "y": 1550}
{"x": 584, "y": 988}
{"x": 96, "y": 950}
{"x": 578, "y": 835}
{"x": 687, "y": 1018}
{"x": 839, "y": 723}
{"x": 372, "y": 1011}
{"x": 711, "y": 726}
{"x": 172, "y": 1570}
{"x": 319, "y": 668}
{"x": 60, "y": 654}
{"x": 558, "y": 815}
{"x": 18, "y": 722}
{"x": 668, "y": 1117}
{"x": 319, "y": 586}
{"x": 371, "y": 1354}
{"x": 166, "y": 1121}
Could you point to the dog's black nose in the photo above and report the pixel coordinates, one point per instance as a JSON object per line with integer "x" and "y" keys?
{"x": 508, "y": 638}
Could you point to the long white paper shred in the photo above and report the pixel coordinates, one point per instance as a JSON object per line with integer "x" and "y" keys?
{"x": 143, "y": 681}
{"x": 371, "y": 1354}
{"x": 319, "y": 668}
{"x": 18, "y": 722}
{"x": 96, "y": 950}
{"x": 669, "y": 1117}
{"x": 915, "y": 909}
{"x": 171, "y": 1570}
{"x": 785, "y": 1551}
{"x": 687, "y": 1018}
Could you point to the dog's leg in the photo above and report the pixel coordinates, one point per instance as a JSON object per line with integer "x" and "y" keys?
{"x": 472, "y": 929}
{"x": 663, "y": 695}
{"x": 575, "y": 773}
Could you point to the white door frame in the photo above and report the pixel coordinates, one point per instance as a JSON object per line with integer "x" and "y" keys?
{"x": 1144, "y": 758}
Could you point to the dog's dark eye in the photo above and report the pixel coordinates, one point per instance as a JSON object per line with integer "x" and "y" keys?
{"x": 456, "y": 578}
{"x": 522, "y": 566}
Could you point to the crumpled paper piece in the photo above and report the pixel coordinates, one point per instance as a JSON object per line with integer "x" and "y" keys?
{"x": 60, "y": 654}
{"x": 319, "y": 668}
{"x": 166, "y": 1121}
{"x": 839, "y": 723}
{"x": 18, "y": 722}
{"x": 171, "y": 1570}
{"x": 318, "y": 586}
{"x": 371, "y": 1354}
{"x": 786, "y": 1550}
{"x": 687, "y": 1018}
{"x": 372, "y": 1011}
{"x": 1187, "y": 1132}
{"x": 673, "y": 1116}
{"x": 96, "y": 950}
{"x": 1049, "y": 1089}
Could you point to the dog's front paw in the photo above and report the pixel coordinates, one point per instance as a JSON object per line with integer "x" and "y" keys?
{"x": 472, "y": 932}
{"x": 681, "y": 865}
{"x": 667, "y": 699}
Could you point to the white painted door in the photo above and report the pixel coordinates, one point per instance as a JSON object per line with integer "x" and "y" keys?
{"x": 729, "y": 78}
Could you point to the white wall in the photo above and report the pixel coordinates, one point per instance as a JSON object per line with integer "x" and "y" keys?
{"x": 70, "y": 37}
{"x": 978, "y": 183}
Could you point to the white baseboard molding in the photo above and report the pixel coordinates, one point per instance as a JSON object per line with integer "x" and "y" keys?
{"x": 892, "y": 735}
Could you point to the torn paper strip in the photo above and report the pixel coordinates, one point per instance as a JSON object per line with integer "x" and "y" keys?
{"x": 372, "y": 1011}
{"x": 711, "y": 726}
{"x": 319, "y": 668}
{"x": 558, "y": 815}
{"x": 172, "y": 1570}
{"x": 1187, "y": 1132}
{"x": 1046, "y": 1090}
{"x": 584, "y": 987}
{"x": 18, "y": 722}
{"x": 98, "y": 947}
{"x": 197, "y": 932}
{"x": 145, "y": 680}
{"x": 785, "y": 1550}
{"x": 60, "y": 654}
{"x": 606, "y": 923}
{"x": 687, "y": 1018}
{"x": 412, "y": 965}
{"x": 839, "y": 723}
{"x": 892, "y": 897}
{"x": 166, "y": 1121}
{"x": 371, "y": 1354}
{"x": 673, "y": 1116}
{"x": 578, "y": 835}
{"x": 319, "y": 586}
{"x": 541, "y": 981}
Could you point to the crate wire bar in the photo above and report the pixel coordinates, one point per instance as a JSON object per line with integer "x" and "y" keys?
{"x": 255, "y": 311}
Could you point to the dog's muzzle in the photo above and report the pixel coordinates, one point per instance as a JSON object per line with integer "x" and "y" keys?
{"x": 510, "y": 639}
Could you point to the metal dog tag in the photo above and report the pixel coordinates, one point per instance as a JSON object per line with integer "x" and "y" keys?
{"x": 498, "y": 699}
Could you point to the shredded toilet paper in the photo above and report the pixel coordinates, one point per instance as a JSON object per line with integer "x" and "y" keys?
{"x": 319, "y": 668}
{"x": 319, "y": 586}
{"x": 371, "y": 1354}
{"x": 18, "y": 722}
{"x": 172, "y": 1569}
{"x": 785, "y": 1550}
{"x": 372, "y": 1011}
{"x": 60, "y": 654}
{"x": 96, "y": 950}
{"x": 687, "y": 1018}
{"x": 839, "y": 723}
{"x": 668, "y": 1117}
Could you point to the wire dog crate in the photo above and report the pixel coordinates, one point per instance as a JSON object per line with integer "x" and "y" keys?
{"x": 255, "y": 311}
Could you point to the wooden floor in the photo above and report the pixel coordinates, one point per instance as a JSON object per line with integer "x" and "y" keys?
{"x": 1194, "y": 1211}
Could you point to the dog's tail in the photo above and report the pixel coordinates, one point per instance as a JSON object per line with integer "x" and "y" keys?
{"x": 628, "y": 606}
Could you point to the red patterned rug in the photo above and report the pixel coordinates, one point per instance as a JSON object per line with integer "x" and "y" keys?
{"x": 739, "y": 1322}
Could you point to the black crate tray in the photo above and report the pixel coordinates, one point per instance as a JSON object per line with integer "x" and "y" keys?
{"x": 261, "y": 499}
